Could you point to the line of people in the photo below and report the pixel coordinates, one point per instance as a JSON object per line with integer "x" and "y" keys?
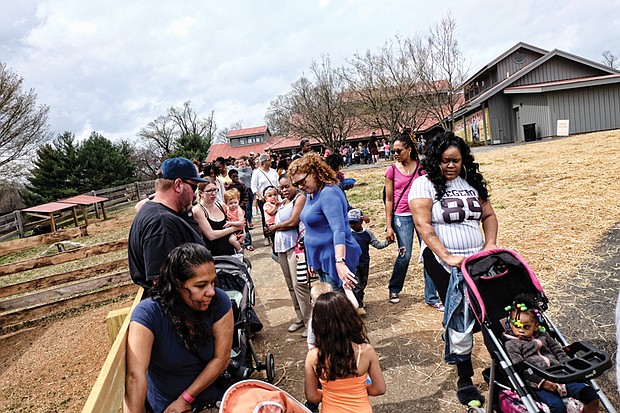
{"x": 180, "y": 334}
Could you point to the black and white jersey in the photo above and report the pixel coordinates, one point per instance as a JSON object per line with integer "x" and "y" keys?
{"x": 455, "y": 217}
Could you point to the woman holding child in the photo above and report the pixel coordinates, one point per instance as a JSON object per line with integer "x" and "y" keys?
{"x": 330, "y": 247}
{"x": 286, "y": 231}
{"x": 211, "y": 218}
{"x": 449, "y": 204}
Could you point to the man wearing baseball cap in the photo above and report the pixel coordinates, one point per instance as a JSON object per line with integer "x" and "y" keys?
{"x": 163, "y": 223}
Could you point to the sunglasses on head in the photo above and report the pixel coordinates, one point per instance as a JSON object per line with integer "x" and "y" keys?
{"x": 301, "y": 182}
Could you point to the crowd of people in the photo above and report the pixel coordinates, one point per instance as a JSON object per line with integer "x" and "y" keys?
{"x": 180, "y": 336}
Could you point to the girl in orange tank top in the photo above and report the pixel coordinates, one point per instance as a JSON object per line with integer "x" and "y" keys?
{"x": 343, "y": 360}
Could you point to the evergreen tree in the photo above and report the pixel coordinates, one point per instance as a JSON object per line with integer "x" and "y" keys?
{"x": 54, "y": 176}
{"x": 103, "y": 164}
{"x": 191, "y": 146}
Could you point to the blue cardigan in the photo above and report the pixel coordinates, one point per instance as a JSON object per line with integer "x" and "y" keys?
{"x": 327, "y": 224}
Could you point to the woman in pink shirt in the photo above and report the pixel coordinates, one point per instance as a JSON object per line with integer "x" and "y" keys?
{"x": 400, "y": 226}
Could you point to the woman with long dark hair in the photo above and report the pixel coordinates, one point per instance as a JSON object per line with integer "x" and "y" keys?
{"x": 342, "y": 359}
{"x": 450, "y": 204}
{"x": 180, "y": 338}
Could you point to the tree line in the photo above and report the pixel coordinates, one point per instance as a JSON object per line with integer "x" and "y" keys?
{"x": 405, "y": 83}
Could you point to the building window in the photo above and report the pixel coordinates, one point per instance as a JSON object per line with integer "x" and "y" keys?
{"x": 242, "y": 141}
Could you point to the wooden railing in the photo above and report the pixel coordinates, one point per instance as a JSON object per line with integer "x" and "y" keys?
{"x": 108, "y": 391}
{"x": 31, "y": 299}
{"x": 17, "y": 224}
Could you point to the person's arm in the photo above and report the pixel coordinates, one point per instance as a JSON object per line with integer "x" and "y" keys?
{"x": 376, "y": 243}
{"x": 293, "y": 221}
{"x": 389, "y": 208}
{"x": 421, "y": 210}
{"x": 377, "y": 384}
{"x": 139, "y": 346}
{"x": 254, "y": 185}
{"x": 222, "y": 342}
{"x": 489, "y": 225}
{"x": 311, "y": 382}
{"x": 270, "y": 208}
{"x": 205, "y": 227}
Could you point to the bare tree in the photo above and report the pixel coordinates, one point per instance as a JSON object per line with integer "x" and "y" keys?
{"x": 223, "y": 133}
{"x": 23, "y": 123}
{"x": 609, "y": 59}
{"x": 163, "y": 136}
{"x": 442, "y": 69}
{"x": 384, "y": 88}
{"x": 278, "y": 116}
{"x": 317, "y": 108}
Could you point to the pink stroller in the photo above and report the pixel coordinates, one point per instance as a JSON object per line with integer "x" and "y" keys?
{"x": 255, "y": 396}
{"x": 493, "y": 278}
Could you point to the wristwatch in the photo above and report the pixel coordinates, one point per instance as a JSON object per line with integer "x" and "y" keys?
{"x": 339, "y": 260}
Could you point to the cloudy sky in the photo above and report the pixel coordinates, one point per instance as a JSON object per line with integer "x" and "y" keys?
{"x": 113, "y": 66}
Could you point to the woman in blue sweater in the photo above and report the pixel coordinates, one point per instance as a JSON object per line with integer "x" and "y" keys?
{"x": 330, "y": 247}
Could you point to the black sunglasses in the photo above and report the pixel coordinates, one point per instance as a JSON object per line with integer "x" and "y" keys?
{"x": 302, "y": 181}
{"x": 193, "y": 185}
{"x": 399, "y": 150}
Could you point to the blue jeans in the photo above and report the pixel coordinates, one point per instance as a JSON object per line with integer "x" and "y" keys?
{"x": 555, "y": 403}
{"x": 403, "y": 229}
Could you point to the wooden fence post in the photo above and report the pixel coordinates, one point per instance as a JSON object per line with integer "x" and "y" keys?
{"x": 20, "y": 223}
{"x": 138, "y": 191}
{"x": 93, "y": 193}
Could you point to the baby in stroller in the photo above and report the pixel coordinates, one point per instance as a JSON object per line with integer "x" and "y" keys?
{"x": 528, "y": 341}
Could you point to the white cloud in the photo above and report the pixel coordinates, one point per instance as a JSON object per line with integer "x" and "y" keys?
{"x": 114, "y": 66}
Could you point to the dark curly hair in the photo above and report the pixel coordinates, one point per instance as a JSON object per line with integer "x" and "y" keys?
{"x": 177, "y": 268}
{"x": 336, "y": 326}
{"x": 470, "y": 170}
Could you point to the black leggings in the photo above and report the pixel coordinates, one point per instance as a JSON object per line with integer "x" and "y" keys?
{"x": 441, "y": 279}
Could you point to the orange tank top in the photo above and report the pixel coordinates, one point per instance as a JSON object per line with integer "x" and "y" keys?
{"x": 346, "y": 395}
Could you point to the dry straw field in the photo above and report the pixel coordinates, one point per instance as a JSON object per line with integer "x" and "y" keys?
{"x": 557, "y": 204}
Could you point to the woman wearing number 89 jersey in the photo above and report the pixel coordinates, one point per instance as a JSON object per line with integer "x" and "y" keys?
{"x": 448, "y": 205}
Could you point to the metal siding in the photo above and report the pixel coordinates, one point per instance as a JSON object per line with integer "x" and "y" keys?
{"x": 588, "y": 109}
{"x": 557, "y": 68}
{"x": 534, "y": 109}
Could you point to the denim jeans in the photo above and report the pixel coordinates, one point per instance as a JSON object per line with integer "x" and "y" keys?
{"x": 403, "y": 229}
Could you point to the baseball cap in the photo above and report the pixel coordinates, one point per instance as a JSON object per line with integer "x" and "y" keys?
{"x": 355, "y": 215}
{"x": 180, "y": 168}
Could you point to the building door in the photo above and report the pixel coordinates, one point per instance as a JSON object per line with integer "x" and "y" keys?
{"x": 519, "y": 131}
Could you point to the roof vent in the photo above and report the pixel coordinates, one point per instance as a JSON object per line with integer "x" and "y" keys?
{"x": 518, "y": 58}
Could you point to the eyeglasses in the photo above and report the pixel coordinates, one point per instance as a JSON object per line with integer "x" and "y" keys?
{"x": 301, "y": 182}
{"x": 193, "y": 185}
{"x": 399, "y": 150}
{"x": 212, "y": 190}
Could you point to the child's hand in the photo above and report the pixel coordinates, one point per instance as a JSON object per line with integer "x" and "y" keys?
{"x": 549, "y": 386}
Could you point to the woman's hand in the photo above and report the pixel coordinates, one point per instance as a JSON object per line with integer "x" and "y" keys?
{"x": 489, "y": 246}
{"x": 346, "y": 276}
{"x": 389, "y": 235}
{"x": 179, "y": 406}
{"x": 270, "y": 228}
{"x": 454, "y": 260}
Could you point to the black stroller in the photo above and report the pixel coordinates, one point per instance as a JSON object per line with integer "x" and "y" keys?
{"x": 493, "y": 278}
{"x": 233, "y": 276}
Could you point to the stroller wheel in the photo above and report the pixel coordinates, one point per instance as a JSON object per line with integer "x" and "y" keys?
{"x": 475, "y": 410}
{"x": 270, "y": 367}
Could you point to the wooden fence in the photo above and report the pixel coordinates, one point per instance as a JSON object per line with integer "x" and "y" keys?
{"x": 28, "y": 300}
{"x": 17, "y": 224}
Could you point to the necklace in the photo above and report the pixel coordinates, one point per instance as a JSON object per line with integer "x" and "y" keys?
{"x": 409, "y": 168}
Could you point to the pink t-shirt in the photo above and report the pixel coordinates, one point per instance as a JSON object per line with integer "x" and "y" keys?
{"x": 401, "y": 183}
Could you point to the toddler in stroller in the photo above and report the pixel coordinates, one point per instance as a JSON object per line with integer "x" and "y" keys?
{"x": 494, "y": 281}
{"x": 528, "y": 341}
